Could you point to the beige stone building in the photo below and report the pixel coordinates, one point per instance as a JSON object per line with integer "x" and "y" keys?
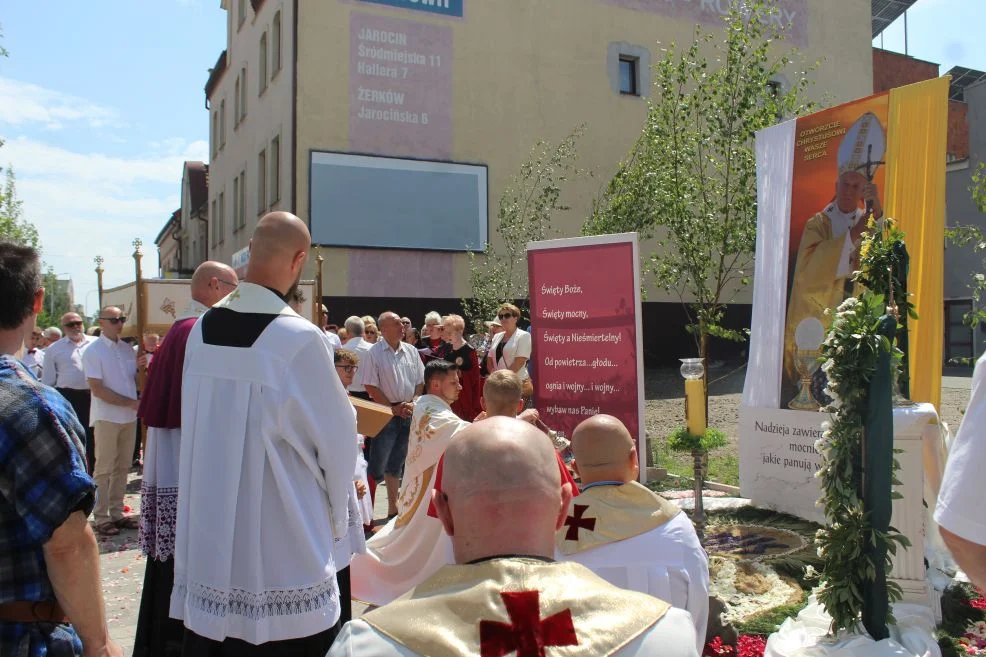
{"x": 392, "y": 126}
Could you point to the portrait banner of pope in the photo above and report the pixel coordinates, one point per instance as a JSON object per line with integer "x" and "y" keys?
{"x": 836, "y": 198}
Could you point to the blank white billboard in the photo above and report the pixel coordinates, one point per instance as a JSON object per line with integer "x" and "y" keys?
{"x": 397, "y": 203}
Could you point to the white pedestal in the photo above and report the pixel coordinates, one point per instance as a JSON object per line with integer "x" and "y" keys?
{"x": 909, "y": 513}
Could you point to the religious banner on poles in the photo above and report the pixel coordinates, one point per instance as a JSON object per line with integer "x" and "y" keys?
{"x": 586, "y": 332}
{"x": 825, "y": 181}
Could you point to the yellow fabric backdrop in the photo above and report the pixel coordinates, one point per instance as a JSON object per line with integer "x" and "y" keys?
{"x": 915, "y": 197}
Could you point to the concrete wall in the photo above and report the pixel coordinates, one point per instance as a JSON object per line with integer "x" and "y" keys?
{"x": 962, "y": 264}
{"x": 268, "y": 115}
{"x": 521, "y": 71}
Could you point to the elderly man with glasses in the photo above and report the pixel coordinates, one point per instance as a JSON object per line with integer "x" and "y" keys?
{"x": 64, "y": 372}
{"x": 111, "y": 370}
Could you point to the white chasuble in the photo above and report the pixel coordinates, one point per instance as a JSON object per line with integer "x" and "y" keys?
{"x": 635, "y": 539}
{"x": 413, "y": 545}
{"x": 268, "y": 452}
{"x": 521, "y": 607}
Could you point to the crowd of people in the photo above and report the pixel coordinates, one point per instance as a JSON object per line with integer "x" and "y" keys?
{"x": 257, "y": 490}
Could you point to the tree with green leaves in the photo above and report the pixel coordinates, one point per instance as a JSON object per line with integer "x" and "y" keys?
{"x": 689, "y": 182}
{"x": 527, "y": 207}
{"x": 13, "y": 226}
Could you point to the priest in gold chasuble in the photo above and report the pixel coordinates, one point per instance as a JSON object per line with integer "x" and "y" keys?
{"x": 412, "y": 545}
{"x": 626, "y": 534}
{"x": 501, "y": 503}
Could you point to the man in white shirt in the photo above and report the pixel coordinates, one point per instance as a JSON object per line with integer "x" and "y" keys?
{"x": 34, "y": 356}
{"x": 65, "y": 373}
{"x": 627, "y": 534}
{"x": 393, "y": 375}
{"x": 268, "y": 452}
{"x": 501, "y": 502}
{"x": 359, "y": 346}
{"x": 51, "y": 335}
{"x": 111, "y": 370}
{"x": 960, "y": 512}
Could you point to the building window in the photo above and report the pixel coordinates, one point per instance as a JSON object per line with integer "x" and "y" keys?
{"x": 275, "y": 170}
{"x": 236, "y": 204}
{"x": 240, "y": 13}
{"x": 275, "y": 35}
{"x": 215, "y": 133}
{"x": 222, "y": 123}
{"x": 213, "y": 225}
{"x": 221, "y": 224}
{"x": 261, "y": 182}
{"x": 629, "y": 76}
{"x": 242, "y": 199}
{"x": 236, "y": 103}
{"x": 262, "y": 68}
{"x": 243, "y": 97}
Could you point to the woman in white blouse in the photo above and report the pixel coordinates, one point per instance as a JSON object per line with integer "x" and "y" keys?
{"x": 511, "y": 349}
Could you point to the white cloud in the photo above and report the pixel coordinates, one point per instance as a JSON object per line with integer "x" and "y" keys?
{"x": 86, "y": 204}
{"x": 30, "y": 157}
{"x": 23, "y": 103}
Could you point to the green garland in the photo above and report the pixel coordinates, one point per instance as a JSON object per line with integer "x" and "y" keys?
{"x": 850, "y": 354}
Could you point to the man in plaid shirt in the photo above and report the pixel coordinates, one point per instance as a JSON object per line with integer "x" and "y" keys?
{"x": 50, "y": 598}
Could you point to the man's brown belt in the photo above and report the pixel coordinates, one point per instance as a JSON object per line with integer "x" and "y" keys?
{"x": 32, "y": 612}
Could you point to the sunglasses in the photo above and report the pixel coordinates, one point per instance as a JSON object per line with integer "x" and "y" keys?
{"x": 505, "y": 316}
{"x": 348, "y": 369}
{"x": 371, "y": 331}
{"x": 406, "y": 323}
{"x": 114, "y": 320}
{"x": 72, "y": 324}
{"x": 225, "y": 282}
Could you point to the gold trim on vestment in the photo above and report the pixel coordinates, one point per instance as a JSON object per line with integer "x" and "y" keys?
{"x": 606, "y": 514}
{"x": 446, "y": 615}
{"x": 419, "y": 488}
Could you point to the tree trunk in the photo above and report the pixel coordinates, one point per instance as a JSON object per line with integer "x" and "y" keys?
{"x": 698, "y": 516}
{"x": 698, "y": 455}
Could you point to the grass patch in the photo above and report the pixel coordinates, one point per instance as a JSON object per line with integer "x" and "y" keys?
{"x": 723, "y": 468}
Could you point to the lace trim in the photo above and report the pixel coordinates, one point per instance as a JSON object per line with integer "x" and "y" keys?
{"x": 257, "y": 606}
{"x": 158, "y": 511}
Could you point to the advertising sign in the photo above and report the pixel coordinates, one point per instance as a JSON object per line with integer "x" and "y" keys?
{"x": 400, "y": 86}
{"x": 442, "y": 7}
{"x": 587, "y": 355}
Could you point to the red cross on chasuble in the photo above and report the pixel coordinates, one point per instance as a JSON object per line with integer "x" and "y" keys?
{"x": 526, "y": 634}
{"x": 576, "y": 522}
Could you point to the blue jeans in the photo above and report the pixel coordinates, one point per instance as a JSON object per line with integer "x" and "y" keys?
{"x": 388, "y": 449}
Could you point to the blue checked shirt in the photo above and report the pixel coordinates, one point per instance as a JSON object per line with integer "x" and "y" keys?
{"x": 43, "y": 480}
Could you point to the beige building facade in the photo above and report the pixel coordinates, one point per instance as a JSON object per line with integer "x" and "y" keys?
{"x": 424, "y": 86}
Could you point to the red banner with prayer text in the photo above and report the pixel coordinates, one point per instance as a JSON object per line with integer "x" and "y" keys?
{"x": 585, "y": 329}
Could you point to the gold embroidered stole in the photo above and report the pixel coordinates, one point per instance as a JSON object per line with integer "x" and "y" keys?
{"x": 607, "y": 514}
{"x": 513, "y": 605}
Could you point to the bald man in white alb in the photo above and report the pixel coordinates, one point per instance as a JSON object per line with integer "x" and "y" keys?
{"x": 501, "y": 503}
{"x": 627, "y": 534}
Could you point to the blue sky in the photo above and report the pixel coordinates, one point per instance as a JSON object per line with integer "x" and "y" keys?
{"x": 98, "y": 109}
{"x": 101, "y": 102}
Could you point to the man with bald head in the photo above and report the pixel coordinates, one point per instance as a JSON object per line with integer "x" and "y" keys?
{"x": 160, "y": 411}
{"x": 625, "y": 533}
{"x": 267, "y": 457}
{"x": 393, "y": 375}
{"x": 501, "y": 504}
